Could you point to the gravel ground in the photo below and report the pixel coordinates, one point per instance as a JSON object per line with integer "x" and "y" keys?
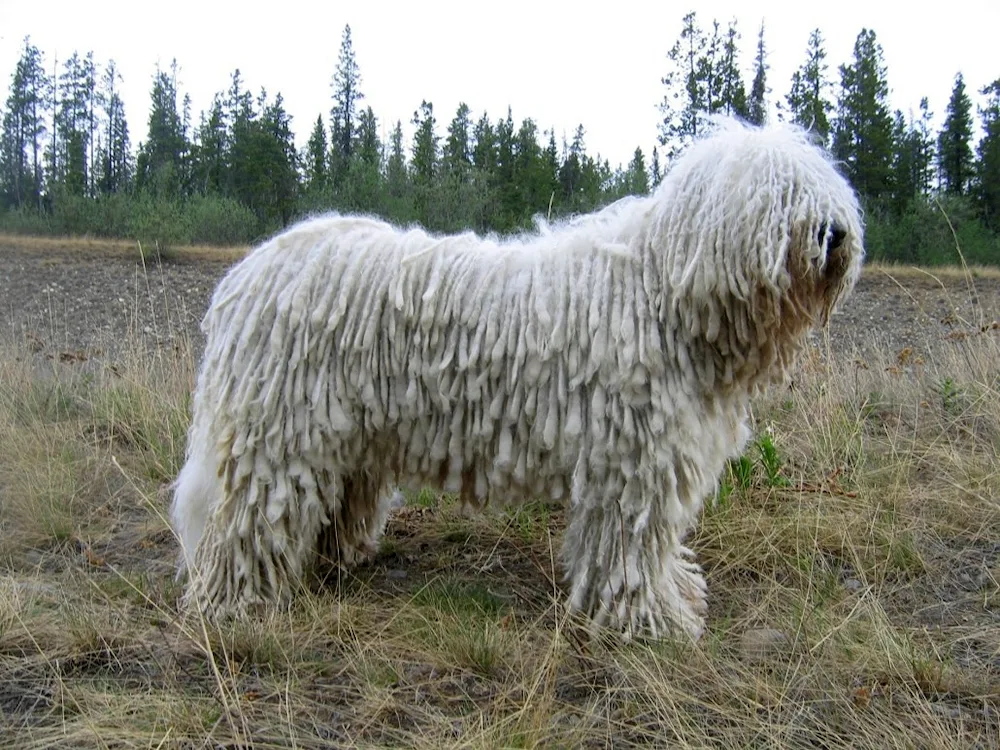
{"x": 87, "y": 301}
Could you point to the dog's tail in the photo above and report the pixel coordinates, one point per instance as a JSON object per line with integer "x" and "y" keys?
{"x": 196, "y": 488}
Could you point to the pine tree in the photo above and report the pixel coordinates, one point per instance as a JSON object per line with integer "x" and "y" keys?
{"x": 655, "y": 172}
{"x": 75, "y": 124}
{"x": 684, "y": 101}
{"x": 262, "y": 169}
{"x": 955, "y": 162}
{"x": 637, "y": 181}
{"x": 922, "y": 146}
{"x": 571, "y": 176}
{"x": 733, "y": 95}
{"x": 115, "y": 170}
{"x": 457, "y": 156}
{"x": 240, "y": 117}
{"x": 362, "y": 188}
{"x": 595, "y": 178}
{"x": 529, "y": 172}
{"x": 484, "y": 151}
{"x": 424, "y": 159}
{"x": 187, "y": 155}
{"x": 550, "y": 160}
{"x": 314, "y": 160}
{"x": 987, "y": 190}
{"x": 757, "y": 106}
{"x": 807, "y": 100}
{"x": 710, "y": 70}
{"x": 159, "y": 166}
{"x": 21, "y": 142}
{"x": 904, "y": 186}
{"x": 209, "y": 174}
{"x": 346, "y": 95}
{"x": 368, "y": 149}
{"x": 913, "y": 151}
{"x": 279, "y": 159}
{"x": 399, "y": 197}
{"x": 504, "y": 182}
{"x": 862, "y": 137}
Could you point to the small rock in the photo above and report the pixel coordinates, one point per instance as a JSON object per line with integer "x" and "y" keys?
{"x": 946, "y": 711}
{"x": 762, "y": 643}
{"x": 853, "y": 585}
{"x": 396, "y": 575}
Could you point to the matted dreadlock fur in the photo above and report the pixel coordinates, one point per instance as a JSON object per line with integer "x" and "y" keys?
{"x": 607, "y": 360}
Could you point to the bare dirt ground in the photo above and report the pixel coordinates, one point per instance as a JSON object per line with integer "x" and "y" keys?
{"x": 873, "y": 569}
{"x": 80, "y": 298}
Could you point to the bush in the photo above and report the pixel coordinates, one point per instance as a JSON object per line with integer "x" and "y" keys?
{"x": 214, "y": 220}
{"x": 922, "y": 234}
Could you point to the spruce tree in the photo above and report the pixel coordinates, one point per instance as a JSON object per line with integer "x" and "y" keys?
{"x": 343, "y": 115}
{"x": 362, "y": 190}
{"x": 484, "y": 151}
{"x": 395, "y": 168}
{"x": 457, "y": 156}
{"x": 733, "y": 95}
{"x": 532, "y": 186}
{"x": 922, "y": 145}
{"x": 863, "y": 131}
{"x": 159, "y": 165}
{"x": 504, "y": 183}
{"x": 550, "y": 160}
{"x": 211, "y": 146}
{"x": 655, "y": 170}
{"x": 24, "y": 130}
{"x": 955, "y": 161}
{"x": 757, "y": 106}
{"x": 637, "y": 180}
{"x": 277, "y": 149}
{"x": 710, "y": 70}
{"x": 240, "y": 117}
{"x": 75, "y": 123}
{"x": 807, "y": 100}
{"x": 987, "y": 190}
{"x": 314, "y": 160}
{"x": 424, "y": 159}
{"x": 684, "y": 102}
{"x": 115, "y": 158}
{"x": 368, "y": 148}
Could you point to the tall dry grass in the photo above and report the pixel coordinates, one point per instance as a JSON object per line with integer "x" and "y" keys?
{"x": 853, "y": 558}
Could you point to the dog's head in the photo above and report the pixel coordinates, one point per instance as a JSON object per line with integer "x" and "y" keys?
{"x": 759, "y": 238}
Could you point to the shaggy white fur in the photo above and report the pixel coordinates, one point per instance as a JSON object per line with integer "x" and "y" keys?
{"x": 607, "y": 360}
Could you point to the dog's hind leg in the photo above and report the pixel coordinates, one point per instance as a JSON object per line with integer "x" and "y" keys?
{"x": 259, "y": 536}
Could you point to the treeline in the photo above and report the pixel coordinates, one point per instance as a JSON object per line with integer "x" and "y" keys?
{"x": 924, "y": 193}
{"x": 67, "y": 165}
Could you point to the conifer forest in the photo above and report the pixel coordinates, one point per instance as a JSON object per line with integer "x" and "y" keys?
{"x": 70, "y": 163}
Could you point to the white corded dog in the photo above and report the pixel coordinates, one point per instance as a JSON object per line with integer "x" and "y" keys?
{"x": 607, "y": 361}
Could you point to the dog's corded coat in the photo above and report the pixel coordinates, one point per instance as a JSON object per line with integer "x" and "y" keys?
{"x": 607, "y": 360}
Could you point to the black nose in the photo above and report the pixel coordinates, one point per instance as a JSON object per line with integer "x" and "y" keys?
{"x": 832, "y": 233}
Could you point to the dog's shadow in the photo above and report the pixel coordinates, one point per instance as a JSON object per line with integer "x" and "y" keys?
{"x": 499, "y": 561}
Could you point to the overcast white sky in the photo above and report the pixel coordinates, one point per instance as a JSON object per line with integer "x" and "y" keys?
{"x": 560, "y": 63}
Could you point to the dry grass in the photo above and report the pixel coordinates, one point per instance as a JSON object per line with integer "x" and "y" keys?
{"x": 103, "y": 247}
{"x": 91, "y": 246}
{"x": 853, "y": 558}
{"x": 952, "y": 273}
